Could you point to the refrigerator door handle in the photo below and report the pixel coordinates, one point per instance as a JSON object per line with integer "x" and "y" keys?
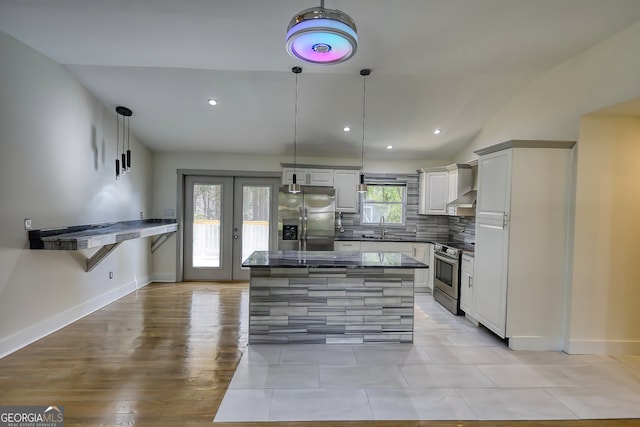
{"x": 304, "y": 228}
{"x": 300, "y": 229}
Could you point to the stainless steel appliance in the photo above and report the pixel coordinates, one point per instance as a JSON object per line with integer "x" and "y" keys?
{"x": 446, "y": 276}
{"x": 306, "y": 220}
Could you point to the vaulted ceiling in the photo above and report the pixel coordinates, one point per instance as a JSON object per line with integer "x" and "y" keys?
{"x": 447, "y": 64}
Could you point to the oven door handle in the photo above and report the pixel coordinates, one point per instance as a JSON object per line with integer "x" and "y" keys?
{"x": 448, "y": 260}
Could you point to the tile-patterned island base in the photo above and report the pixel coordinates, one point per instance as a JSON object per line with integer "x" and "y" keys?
{"x": 336, "y": 305}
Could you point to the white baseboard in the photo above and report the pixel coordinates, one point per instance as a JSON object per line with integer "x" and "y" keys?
{"x": 535, "y": 343}
{"x": 164, "y": 277}
{"x": 45, "y": 327}
{"x": 603, "y": 347}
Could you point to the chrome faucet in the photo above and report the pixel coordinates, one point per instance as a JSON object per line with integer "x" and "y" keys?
{"x": 381, "y": 223}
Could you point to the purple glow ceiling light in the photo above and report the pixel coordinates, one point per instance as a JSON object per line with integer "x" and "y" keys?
{"x": 322, "y": 36}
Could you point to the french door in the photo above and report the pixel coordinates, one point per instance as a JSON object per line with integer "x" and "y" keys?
{"x": 226, "y": 219}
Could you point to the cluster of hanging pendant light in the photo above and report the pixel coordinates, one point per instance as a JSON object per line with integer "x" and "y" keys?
{"x": 123, "y": 162}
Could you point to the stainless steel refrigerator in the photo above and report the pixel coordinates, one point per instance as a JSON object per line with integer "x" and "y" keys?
{"x": 306, "y": 219}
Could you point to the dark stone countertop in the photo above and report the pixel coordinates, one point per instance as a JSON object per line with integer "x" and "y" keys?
{"x": 339, "y": 238}
{"x": 467, "y": 248}
{"x": 94, "y": 235}
{"x": 329, "y": 259}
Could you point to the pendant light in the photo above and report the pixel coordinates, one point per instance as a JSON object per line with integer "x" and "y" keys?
{"x": 362, "y": 187}
{"x": 322, "y": 36}
{"x": 123, "y": 162}
{"x": 294, "y": 187}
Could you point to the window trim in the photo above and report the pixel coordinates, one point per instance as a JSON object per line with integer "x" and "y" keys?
{"x": 403, "y": 203}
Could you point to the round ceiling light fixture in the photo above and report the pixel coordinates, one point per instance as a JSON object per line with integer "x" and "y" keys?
{"x": 322, "y": 36}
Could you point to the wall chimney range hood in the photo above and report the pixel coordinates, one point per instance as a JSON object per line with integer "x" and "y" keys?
{"x": 467, "y": 200}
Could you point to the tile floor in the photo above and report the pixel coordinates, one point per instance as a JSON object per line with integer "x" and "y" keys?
{"x": 453, "y": 371}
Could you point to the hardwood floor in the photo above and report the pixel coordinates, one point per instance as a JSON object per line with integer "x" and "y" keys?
{"x": 162, "y": 356}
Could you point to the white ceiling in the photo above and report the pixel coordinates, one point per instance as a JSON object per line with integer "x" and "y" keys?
{"x": 435, "y": 63}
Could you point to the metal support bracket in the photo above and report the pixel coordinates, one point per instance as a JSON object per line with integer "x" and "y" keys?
{"x": 102, "y": 253}
{"x": 156, "y": 243}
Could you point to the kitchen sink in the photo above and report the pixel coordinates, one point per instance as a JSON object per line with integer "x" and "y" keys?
{"x": 367, "y": 237}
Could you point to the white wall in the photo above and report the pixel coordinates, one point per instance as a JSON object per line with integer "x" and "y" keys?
{"x": 600, "y": 313}
{"x": 550, "y": 107}
{"x": 57, "y": 167}
{"x": 166, "y": 164}
{"x": 604, "y": 315}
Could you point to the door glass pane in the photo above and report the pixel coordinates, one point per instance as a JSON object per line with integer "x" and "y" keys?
{"x": 256, "y": 203}
{"x": 206, "y": 225}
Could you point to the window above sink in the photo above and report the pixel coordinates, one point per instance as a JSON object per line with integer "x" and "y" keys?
{"x": 384, "y": 204}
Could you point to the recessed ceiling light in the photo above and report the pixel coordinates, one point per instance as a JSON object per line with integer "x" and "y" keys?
{"x": 436, "y": 131}
{"x": 212, "y": 102}
{"x": 389, "y": 147}
{"x": 346, "y": 129}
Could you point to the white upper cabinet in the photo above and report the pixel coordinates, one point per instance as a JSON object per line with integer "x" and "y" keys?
{"x": 301, "y": 176}
{"x": 494, "y": 174}
{"x": 433, "y": 192}
{"x": 322, "y": 177}
{"x": 440, "y": 186}
{"x": 345, "y": 183}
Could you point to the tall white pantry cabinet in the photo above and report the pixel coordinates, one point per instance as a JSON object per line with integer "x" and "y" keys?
{"x": 521, "y": 252}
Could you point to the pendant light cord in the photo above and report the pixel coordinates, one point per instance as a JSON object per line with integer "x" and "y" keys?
{"x": 364, "y": 103}
{"x": 117, "y": 134}
{"x": 295, "y": 127}
{"x": 296, "y": 71}
{"x": 123, "y": 136}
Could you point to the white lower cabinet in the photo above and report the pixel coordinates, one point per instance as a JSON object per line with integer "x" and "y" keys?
{"x": 419, "y": 251}
{"x": 346, "y": 246}
{"x": 431, "y": 270}
{"x": 466, "y": 288}
{"x": 404, "y": 247}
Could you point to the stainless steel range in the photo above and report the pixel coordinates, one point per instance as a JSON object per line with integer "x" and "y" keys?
{"x": 446, "y": 276}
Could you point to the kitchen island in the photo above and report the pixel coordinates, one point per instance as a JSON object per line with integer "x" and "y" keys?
{"x": 329, "y": 297}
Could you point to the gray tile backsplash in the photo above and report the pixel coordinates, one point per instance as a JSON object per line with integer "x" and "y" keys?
{"x": 427, "y": 227}
{"x": 462, "y": 229}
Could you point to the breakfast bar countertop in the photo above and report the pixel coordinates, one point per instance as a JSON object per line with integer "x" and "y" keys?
{"x": 331, "y": 259}
{"x": 95, "y": 235}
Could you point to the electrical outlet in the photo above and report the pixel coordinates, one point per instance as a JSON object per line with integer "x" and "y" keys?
{"x": 111, "y": 275}
{"x": 141, "y": 215}
{"x": 169, "y": 212}
{"x": 27, "y": 223}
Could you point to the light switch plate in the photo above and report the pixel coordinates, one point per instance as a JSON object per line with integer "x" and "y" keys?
{"x": 27, "y": 223}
